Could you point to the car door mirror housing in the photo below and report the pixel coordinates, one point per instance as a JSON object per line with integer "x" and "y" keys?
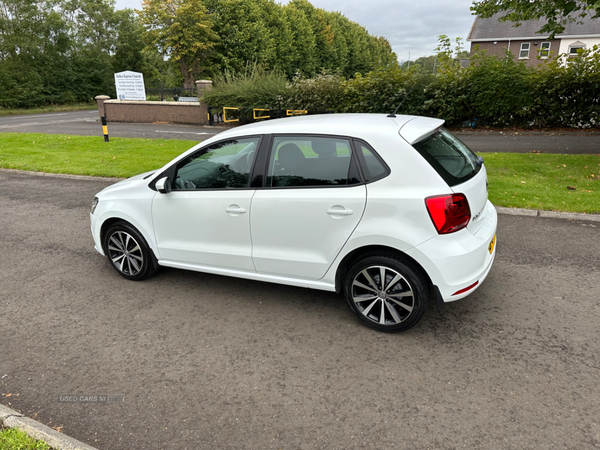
{"x": 163, "y": 185}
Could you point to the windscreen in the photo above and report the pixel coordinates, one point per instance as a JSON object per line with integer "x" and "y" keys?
{"x": 452, "y": 159}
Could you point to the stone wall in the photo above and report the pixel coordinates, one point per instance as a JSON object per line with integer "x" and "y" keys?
{"x": 135, "y": 111}
{"x": 132, "y": 111}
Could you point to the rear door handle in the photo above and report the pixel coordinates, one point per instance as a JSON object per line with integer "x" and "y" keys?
{"x": 235, "y": 209}
{"x": 339, "y": 212}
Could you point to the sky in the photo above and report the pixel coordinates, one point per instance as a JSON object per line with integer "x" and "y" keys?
{"x": 411, "y": 27}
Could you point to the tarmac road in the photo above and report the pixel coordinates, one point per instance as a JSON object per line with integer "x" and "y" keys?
{"x": 207, "y": 362}
{"x": 86, "y": 123}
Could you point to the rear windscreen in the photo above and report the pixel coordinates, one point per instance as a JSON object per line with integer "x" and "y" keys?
{"x": 453, "y": 160}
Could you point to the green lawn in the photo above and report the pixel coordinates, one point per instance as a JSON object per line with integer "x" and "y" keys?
{"x": 46, "y": 109}
{"x": 13, "y": 439}
{"x": 542, "y": 181}
{"x": 537, "y": 181}
{"x": 85, "y": 155}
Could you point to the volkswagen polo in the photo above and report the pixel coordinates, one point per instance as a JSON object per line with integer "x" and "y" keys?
{"x": 390, "y": 211}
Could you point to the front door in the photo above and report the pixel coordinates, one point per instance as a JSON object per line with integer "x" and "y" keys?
{"x": 204, "y": 220}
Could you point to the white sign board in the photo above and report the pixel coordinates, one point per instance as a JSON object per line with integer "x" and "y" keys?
{"x": 130, "y": 85}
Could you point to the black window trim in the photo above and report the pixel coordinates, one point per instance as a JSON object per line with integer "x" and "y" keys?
{"x": 363, "y": 162}
{"x": 315, "y": 135}
{"x": 170, "y": 172}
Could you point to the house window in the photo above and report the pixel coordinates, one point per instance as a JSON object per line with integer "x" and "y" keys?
{"x": 573, "y": 50}
{"x": 578, "y": 45}
{"x": 545, "y": 50}
{"x": 524, "y": 54}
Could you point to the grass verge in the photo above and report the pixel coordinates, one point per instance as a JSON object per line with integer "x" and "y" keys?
{"x": 85, "y": 155}
{"x": 47, "y": 109}
{"x": 14, "y": 439}
{"x": 544, "y": 181}
{"x": 536, "y": 181}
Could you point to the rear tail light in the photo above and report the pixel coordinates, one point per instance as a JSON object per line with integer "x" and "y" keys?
{"x": 449, "y": 213}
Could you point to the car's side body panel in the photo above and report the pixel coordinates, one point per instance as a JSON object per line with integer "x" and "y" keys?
{"x": 209, "y": 228}
{"x": 299, "y": 232}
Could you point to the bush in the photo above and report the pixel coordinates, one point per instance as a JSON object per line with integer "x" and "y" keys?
{"x": 499, "y": 90}
{"x": 494, "y": 90}
{"x": 567, "y": 95}
{"x": 255, "y": 89}
{"x": 325, "y": 92}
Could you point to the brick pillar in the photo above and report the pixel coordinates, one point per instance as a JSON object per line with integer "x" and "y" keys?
{"x": 202, "y": 86}
{"x": 100, "y": 100}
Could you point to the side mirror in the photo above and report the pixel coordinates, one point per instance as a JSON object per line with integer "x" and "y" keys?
{"x": 163, "y": 185}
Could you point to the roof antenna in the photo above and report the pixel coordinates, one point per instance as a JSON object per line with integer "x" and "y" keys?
{"x": 396, "y": 110}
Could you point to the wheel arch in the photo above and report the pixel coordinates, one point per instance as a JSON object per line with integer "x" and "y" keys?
{"x": 372, "y": 250}
{"x": 112, "y": 220}
{"x": 115, "y": 219}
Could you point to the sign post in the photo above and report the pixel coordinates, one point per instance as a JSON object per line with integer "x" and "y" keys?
{"x": 130, "y": 85}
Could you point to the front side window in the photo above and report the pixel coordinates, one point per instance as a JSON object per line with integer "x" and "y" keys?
{"x": 452, "y": 160}
{"x": 545, "y": 50}
{"x": 225, "y": 165}
{"x": 311, "y": 161}
{"x": 524, "y": 50}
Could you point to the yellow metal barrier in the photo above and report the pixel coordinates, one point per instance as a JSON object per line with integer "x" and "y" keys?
{"x": 259, "y": 117}
{"x": 295, "y": 112}
{"x": 225, "y": 115}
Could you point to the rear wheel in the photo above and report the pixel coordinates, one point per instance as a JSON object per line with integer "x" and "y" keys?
{"x": 386, "y": 293}
{"x": 128, "y": 252}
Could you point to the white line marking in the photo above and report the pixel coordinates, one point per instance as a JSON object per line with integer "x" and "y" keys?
{"x": 50, "y": 122}
{"x": 27, "y": 116}
{"x": 180, "y": 132}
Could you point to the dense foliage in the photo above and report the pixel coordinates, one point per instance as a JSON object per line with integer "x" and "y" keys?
{"x": 63, "y": 51}
{"x": 492, "y": 90}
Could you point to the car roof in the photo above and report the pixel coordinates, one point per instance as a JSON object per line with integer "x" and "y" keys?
{"x": 353, "y": 125}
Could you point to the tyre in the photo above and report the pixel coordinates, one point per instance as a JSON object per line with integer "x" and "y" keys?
{"x": 386, "y": 294}
{"x": 128, "y": 252}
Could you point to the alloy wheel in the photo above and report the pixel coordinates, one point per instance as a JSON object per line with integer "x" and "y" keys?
{"x": 125, "y": 253}
{"x": 383, "y": 295}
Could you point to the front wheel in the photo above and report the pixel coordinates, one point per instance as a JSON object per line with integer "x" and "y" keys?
{"x": 128, "y": 252}
{"x": 386, "y": 293}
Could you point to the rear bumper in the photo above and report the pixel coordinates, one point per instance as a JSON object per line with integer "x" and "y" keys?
{"x": 459, "y": 260}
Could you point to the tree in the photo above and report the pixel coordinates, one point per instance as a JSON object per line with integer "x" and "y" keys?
{"x": 181, "y": 30}
{"x": 245, "y": 38}
{"x": 556, "y": 12}
{"x": 129, "y": 45}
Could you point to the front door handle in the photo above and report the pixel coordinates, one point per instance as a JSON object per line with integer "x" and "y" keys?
{"x": 235, "y": 209}
{"x": 339, "y": 212}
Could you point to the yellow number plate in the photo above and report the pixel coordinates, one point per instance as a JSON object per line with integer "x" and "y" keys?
{"x": 492, "y": 244}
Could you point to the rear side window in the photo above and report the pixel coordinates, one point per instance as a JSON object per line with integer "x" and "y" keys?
{"x": 373, "y": 167}
{"x": 452, "y": 160}
{"x": 310, "y": 161}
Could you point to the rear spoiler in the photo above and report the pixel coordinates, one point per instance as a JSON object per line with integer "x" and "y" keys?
{"x": 420, "y": 128}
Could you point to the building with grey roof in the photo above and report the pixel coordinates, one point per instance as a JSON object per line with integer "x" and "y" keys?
{"x": 527, "y": 44}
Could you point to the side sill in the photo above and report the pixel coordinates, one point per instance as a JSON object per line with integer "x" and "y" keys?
{"x": 311, "y": 284}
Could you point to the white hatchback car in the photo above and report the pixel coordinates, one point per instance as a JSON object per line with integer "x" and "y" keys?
{"x": 391, "y": 211}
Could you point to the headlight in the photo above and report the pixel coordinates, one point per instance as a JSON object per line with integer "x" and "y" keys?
{"x": 94, "y": 204}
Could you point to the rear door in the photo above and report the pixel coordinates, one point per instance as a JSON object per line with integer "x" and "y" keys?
{"x": 312, "y": 202}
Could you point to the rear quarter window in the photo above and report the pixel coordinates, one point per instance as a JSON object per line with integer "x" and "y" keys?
{"x": 450, "y": 157}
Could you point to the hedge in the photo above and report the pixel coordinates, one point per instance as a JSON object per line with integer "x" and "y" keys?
{"x": 493, "y": 90}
